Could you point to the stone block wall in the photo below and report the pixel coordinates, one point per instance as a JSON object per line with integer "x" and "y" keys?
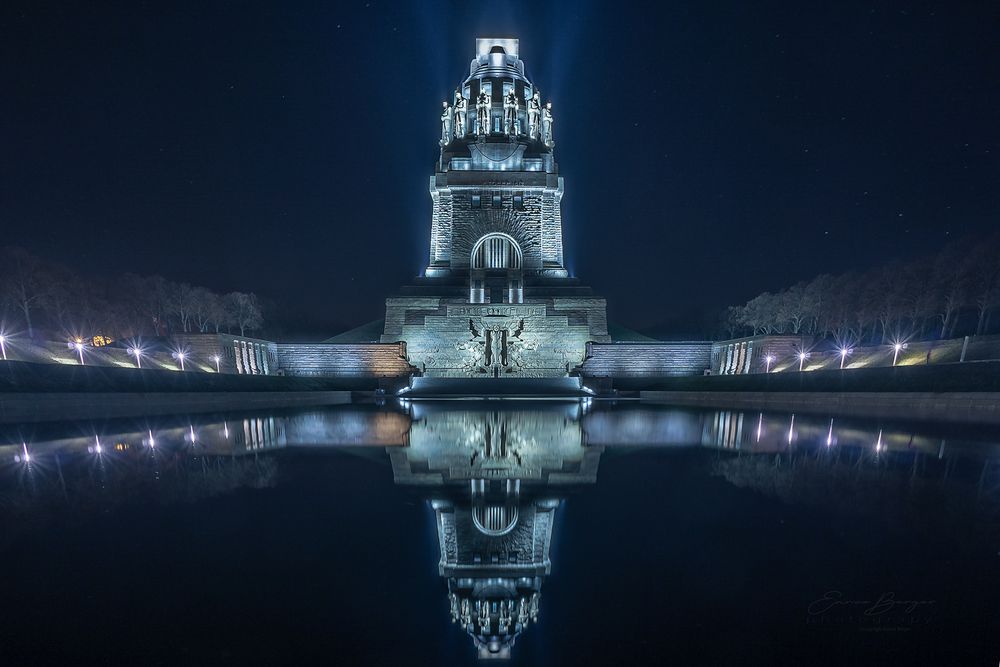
{"x": 344, "y": 360}
{"x": 645, "y": 359}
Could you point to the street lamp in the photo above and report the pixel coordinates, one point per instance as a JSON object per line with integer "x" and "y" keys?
{"x": 769, "y": 359}
{"x": 802, "y": 359}
{"x": 179, "y": 356}
{"x": 896, "y": 347}
{"x": 3, "y": 346}
{"x": 78, "y": 346}
{"x": 216, "y": 360}
{"x": 843, "y": 356}
{"x": 136, "y": 352}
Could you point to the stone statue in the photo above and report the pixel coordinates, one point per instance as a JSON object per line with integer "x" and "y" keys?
{"x": 547, "y": 125}
{"x": 460, "y": 106}
{"x": 484, "y": 616}
{"x": 446, "y": 119}
{"x": 483, "y": 104}
{"x": 510, "y": 107}
{"x": 534, "y": 111}
{"x": 496, "y": 348}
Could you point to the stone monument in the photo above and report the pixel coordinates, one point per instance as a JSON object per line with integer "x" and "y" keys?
{"x": 496, "y": 299}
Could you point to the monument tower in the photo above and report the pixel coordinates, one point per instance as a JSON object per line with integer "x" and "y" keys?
{"x": 496, "y": 299}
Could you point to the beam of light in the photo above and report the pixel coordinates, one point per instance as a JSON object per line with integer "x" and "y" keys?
{"x": 769, "y": 359}
{"x": 3, "y": 346}
{"x": 791, "y": 429}
{"x": 191, "y": 431}
{"x": 152, "y": 441}
{"x": 225, "y": 429}
{"x": 97, "y": 448}
{"x": 137, "y": 353}
{"x": 802, "y": 359}
{"x": 78, "y": 346}
{"x": 760, "y": 425}
{"x": 829, "y": 434}
{"x": 216, "y": 360}
{"x": 844, "y": 351}
{"x": 879, "y": 447}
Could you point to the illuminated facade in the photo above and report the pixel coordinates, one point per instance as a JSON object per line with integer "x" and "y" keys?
{"x": 496, "y": 299}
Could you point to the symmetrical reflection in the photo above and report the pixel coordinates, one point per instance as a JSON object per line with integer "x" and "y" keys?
{"x": 494, "y": 479}
{"x": 494, "y": 474}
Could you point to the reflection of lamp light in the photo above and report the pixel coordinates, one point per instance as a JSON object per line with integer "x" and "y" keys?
{"x": 769, "y": 359}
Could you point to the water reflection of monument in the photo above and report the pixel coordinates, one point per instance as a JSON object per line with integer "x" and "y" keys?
{"x": 495, "y": 478}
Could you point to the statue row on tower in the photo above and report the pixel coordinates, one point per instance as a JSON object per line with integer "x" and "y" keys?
{"x": 453, "y": 118}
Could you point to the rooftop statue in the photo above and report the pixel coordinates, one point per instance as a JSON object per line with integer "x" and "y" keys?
{"x": 460, "y": 107}
{"x": 534, "y": 111}
{"x": 483, "y": 104}
{"x": 510, "y": 107}
{"x": 547, "y": 125}
{"x": 446, "y": 121}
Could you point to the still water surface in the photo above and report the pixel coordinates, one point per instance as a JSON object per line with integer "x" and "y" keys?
{"x": 550, "y": 533}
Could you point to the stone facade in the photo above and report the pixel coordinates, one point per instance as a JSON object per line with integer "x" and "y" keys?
{"x": 496, "y": 299}
{"x": 623, "y": 360}
{"x": 344, "y": 360}
{"x": 454, "y": 338}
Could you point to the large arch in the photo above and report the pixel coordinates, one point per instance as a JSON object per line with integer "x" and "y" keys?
{"x": 496, "y": 250}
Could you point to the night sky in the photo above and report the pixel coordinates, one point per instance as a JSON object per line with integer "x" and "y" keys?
{"x": 711, "y": 150}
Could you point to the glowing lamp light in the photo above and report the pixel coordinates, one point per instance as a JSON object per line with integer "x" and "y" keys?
{"x": 843, "y": 355}
{"x": 3, "y": 346}
{"x": 78, "y": 346}
{"x": 769, "y": 359}
{"x": 897, "y": 347}
{"x": 137, "y": 353}
{"x": 802, "y": 359}
{"x": 180, "y": 356}
{"x": 216, "y": 360}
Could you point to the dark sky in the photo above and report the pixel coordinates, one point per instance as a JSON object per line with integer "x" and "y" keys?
{"x": 710, "y": 150}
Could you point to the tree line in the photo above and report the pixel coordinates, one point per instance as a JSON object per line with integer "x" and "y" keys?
{"x": 37, "y": 294}
{"x": 952, "y": 293}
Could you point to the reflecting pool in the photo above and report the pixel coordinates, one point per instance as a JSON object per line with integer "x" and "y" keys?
{"x": 440, "y": 533}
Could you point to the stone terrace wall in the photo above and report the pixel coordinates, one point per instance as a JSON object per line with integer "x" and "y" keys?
{"x": 344, "y": 360}
{"x": 619, "y": 360}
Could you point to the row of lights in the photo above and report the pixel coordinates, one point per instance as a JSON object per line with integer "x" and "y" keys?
{"x": 97, "y": 448}
{"x": 843, "y": 351}
{"x": 135, "y": 351}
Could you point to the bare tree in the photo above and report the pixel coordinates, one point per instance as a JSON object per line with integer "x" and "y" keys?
{"x": 245, "y": 311}
{"x": 26, "y": 281}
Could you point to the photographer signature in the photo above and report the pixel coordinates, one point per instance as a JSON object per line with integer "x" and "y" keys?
{"x": 886, "y": 603}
